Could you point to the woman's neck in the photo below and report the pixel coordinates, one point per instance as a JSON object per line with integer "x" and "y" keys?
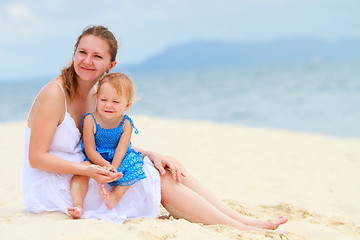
{"x": 83, "y": 89}
{"x": 83, "y": 101}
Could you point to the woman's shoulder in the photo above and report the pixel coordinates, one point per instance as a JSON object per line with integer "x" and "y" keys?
{"x": 49, "y": 103}
{"x": 53, "y": 90}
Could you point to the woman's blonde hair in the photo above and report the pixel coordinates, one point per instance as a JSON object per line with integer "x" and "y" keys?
{"x": 69, "y": 75}
{"x": 123, "y": 85}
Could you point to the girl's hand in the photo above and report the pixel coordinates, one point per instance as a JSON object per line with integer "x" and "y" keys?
{"x": 111, "y": 168}
{"x": 102, "y": 175}
{"x": 170, "y": 163}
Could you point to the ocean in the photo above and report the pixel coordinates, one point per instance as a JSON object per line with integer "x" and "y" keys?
{"x": 319, "y": 98}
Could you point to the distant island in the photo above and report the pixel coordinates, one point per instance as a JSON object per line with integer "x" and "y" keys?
{"x": 201, "y": 54}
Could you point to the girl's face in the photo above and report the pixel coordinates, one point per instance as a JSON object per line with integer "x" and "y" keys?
{"x": 110, "y": 104}
{"x": 92, "y": 58}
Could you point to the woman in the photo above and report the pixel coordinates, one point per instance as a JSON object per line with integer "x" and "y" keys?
{"x": 53, "y": 153}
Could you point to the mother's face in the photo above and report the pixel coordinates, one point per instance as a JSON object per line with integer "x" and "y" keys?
{"x": 92, "y": 58}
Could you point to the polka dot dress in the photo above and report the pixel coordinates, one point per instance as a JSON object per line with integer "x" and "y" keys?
{"x": 106, "y": 141}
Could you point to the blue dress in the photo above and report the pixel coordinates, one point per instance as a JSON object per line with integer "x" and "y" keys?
{"x": 106, "y": 141}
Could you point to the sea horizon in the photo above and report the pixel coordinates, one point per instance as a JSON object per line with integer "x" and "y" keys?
{"x": 315, "y": 98}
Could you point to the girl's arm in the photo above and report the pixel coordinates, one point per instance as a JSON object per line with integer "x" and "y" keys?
{"x": 123, "y": 144}
{"x": 89, "y": 129}
{"x": 163, "y": 162}
{"x": 47, "y": 113}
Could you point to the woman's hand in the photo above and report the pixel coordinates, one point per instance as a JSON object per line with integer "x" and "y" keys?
{"x": 102, "y": 175}
{"x": 170, "y": 163}
{"x": 163, "y": 163}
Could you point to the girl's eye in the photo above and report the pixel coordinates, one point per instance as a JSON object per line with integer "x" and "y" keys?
{"x": 103, "y": 100}
{"x": 83, "y": 52}
{"x": 116, "y": 102}
{"x": 98, "y": 56}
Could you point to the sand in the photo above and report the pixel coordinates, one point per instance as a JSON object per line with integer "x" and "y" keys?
{"x": 263, "y": 173}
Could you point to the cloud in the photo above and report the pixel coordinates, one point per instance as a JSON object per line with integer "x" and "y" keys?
{"x": 35, "y": 31}
{"x": 18, "y": 11}
{"x": 18, "y": 21}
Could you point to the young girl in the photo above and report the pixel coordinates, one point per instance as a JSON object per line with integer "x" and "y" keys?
{"x": 106, "y": 141}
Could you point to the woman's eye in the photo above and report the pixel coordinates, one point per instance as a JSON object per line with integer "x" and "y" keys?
{"x": 83, "y": 52}
{"x": 98, "y": 56}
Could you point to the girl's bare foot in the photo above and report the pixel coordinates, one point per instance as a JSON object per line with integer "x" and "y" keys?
{"x": 275, "y": 223}
{"x": 75, "y": 212}
{"x": 108, "y": 197}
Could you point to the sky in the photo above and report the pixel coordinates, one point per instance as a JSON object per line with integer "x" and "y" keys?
{"x": 38, "y": 36}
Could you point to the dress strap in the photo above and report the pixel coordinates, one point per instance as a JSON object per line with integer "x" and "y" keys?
{"x": 82, "y": 123}
{"x": 63, "y": 93}
{"x": 62, "y": 89}
{"x": 132, "y": 123}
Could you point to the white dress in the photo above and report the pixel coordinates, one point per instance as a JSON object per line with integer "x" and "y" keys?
{"x": 46, "y": 192}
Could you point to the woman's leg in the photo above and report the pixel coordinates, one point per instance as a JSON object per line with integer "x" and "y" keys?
{"x": 183, "y": 202}
{"x": 199, "y": 188}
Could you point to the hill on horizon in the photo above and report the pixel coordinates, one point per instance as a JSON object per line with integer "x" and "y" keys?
{"x": 204, "y": 54}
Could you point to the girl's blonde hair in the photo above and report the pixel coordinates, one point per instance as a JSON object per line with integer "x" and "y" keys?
{"x": 69, "y": 75}
{"x": 123, "y": 85}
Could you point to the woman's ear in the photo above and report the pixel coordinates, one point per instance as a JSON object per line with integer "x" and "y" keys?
{"x": 112, "y": 65}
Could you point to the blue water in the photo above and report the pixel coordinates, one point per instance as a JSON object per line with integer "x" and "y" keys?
{"x": 322, "y": 98}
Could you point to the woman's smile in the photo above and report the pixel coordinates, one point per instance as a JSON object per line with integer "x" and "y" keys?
{"x": 87, "y": 69}
{"x": 91, "y": 58}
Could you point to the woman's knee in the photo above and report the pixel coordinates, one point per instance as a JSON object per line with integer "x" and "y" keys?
{"x": 168, "y": 186}
{"x": 165, "y": 180}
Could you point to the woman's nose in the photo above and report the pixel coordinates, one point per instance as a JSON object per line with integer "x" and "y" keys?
{"x": 87, "y": 60}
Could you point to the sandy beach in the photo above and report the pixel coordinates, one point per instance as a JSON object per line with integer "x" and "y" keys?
{"x": 264, "y": 173}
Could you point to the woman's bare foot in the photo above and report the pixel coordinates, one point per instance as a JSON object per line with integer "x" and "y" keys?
{"x": 108, "y": 197}
{"x": 275, "y": 223}
{"x": 75, "y": 212}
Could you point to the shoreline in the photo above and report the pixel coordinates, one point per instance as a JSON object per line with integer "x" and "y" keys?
{"x": 201, "y": 121}
{"x": 308, "y": 177}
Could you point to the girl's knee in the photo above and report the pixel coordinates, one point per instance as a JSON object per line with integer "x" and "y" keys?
{"x": 80, "y": 179}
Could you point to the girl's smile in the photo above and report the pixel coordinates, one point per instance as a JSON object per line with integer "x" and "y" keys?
{"x": 110, "y": 104}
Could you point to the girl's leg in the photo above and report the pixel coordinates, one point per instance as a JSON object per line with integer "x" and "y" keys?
{"x": 78, "y": 188}
{"x": 112, "y": 198}
{"x": 199, "y": 188}
{"x": 184, "y": 202}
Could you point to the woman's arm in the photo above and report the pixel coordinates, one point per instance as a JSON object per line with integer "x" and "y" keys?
{"x": 47, "y": 112}
{"x": 163, "y": 162}
{"x": 89, "y": 143}
{"x": 123, "y": 144}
